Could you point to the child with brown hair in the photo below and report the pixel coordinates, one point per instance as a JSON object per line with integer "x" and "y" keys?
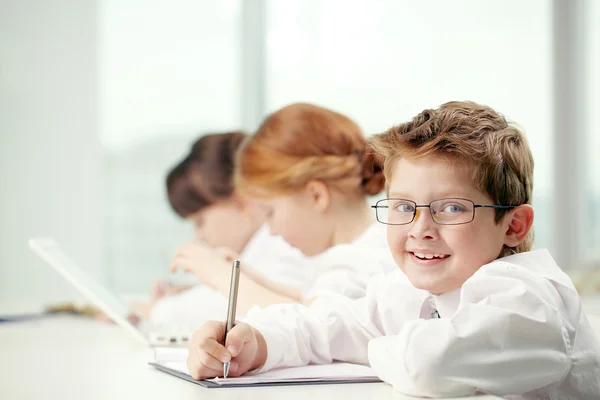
{"x": 482, "y": 312}
{"x": 200, "y": 189}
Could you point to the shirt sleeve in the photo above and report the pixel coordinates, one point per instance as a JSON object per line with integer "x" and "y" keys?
{"x": 347, "y": 270}
{"x": 334, "y": 327}
{"x": 507, "y": 337}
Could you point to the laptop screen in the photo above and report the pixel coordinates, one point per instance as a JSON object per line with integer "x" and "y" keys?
{"x": 49, "y": 250}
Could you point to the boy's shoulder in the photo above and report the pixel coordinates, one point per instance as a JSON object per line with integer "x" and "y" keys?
{"x": 526, "y": 283}
{"x": 531, "y": 265}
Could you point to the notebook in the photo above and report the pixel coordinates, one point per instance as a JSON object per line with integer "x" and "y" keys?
{"x": 172, "y": 361}
{"x": 109, "y": 303}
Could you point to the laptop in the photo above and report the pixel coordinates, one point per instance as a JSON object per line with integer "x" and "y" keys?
{"x": 113, "y": 306}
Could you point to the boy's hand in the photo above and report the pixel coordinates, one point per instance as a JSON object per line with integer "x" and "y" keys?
{"x": 245, "y": 347}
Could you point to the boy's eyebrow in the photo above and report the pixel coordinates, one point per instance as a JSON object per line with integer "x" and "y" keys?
{"x": 398, "y": 195}
{"x": 437, "y": 196}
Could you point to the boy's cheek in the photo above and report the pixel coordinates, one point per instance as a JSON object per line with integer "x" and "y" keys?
{"x": 399, "y": 259}
{"x": 394, "y": 241}
{"x": 390, "y": 237}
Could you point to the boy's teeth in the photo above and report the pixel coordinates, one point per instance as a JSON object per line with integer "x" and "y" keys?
{"x": 429, "y": 256}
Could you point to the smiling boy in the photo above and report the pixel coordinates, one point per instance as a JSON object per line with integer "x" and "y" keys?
{"x": 482, "y": 312}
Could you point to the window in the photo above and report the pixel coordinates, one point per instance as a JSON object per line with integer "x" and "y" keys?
{"x": 383, "y": 62}
{"x": 592, "y": 228}
{"x": 168, "y": 72}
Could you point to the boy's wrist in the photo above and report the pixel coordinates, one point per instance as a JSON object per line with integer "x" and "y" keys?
{"x": 261, "y": 350}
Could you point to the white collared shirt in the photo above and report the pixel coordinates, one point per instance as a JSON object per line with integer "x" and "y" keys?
{"x": 515, "y": 328}
{"x": 346, "y": 269}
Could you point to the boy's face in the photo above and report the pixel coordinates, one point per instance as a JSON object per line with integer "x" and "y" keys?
{"x": 463, "y": 248}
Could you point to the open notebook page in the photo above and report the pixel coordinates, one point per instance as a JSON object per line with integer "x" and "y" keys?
{"x": 309, "y": 373}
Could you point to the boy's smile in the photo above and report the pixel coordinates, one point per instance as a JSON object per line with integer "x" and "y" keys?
{"x": 434, "y": 257}
{"x": 427, "y": 258}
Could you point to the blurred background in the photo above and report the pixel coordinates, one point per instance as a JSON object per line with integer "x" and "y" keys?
{"x": 99, "y": 98}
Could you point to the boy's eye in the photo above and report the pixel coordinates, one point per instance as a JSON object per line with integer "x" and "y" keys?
{"x": 453, "y": 208}
{"x": 404, "y": 207}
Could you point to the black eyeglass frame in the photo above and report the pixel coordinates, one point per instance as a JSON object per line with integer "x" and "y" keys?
{"x": 417, "y": 206}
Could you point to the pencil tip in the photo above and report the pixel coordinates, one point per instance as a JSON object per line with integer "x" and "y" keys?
{"x": 225, "y": 370}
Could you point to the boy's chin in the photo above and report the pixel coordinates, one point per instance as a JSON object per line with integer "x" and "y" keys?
{"x": 422, "y": 283}
{"x": 433, "y": 286}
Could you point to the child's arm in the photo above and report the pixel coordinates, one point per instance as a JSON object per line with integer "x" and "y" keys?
{"x": 335, "y": 327}
{"x": 507, "y": 337}
{"x": 251, "y": 293}
{"x": 213, "y": 268}
{"x": 346, "y": 271}
{"x": 264, "y": 281}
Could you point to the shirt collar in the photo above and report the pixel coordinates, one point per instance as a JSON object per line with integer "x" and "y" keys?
{"x": 447, "y": 303}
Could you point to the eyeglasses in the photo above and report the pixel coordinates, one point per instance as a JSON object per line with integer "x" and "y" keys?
{"x": 450, "y": 211}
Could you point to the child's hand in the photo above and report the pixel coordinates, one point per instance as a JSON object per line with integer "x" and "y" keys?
{"x": 201, "y": 260}
{"x": 162, "y": 288}
{"x": 245, "y": 347}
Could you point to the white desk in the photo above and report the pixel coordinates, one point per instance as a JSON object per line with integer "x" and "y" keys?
{"x": 72, "y": 358}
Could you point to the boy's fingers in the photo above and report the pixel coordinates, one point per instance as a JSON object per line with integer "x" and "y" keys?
{"x": 216, "y": 350}
{"x": 234, "y": 370}
{"x": 199, "y": 371}
{"x": 209, "y": 360}
{"x": 237, "y": 338}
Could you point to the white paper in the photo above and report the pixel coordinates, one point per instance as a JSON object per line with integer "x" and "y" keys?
{"x": 309, "y": 373}
{"x": 179, "y": 366}
{"x": 175, "y": 359}
{"x": 162, "y": 354}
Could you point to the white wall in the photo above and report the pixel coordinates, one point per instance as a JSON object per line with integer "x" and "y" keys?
{"x": 49, "y": 151}
{"x": 168, "y": 72}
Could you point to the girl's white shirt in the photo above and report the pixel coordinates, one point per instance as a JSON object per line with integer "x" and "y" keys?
{"x": 346, "y": 268}
{"x": 343, "y": 269}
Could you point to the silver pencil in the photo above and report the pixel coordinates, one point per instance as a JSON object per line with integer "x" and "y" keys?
{"x": 233, "y": 293}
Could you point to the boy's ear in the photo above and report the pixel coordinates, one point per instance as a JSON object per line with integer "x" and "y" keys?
{"x": 319, "y": 195}
{"x": 520, "y": 221}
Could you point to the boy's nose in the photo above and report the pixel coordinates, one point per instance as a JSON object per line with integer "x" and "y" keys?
{"x": 417, "y": 214}
{"x": 423, "y": 228}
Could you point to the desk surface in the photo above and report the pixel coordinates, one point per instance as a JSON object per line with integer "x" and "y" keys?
{"x": 74, "y": 358}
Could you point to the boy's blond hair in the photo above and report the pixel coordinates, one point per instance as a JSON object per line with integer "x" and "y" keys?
{"x": 495, "y": 151}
